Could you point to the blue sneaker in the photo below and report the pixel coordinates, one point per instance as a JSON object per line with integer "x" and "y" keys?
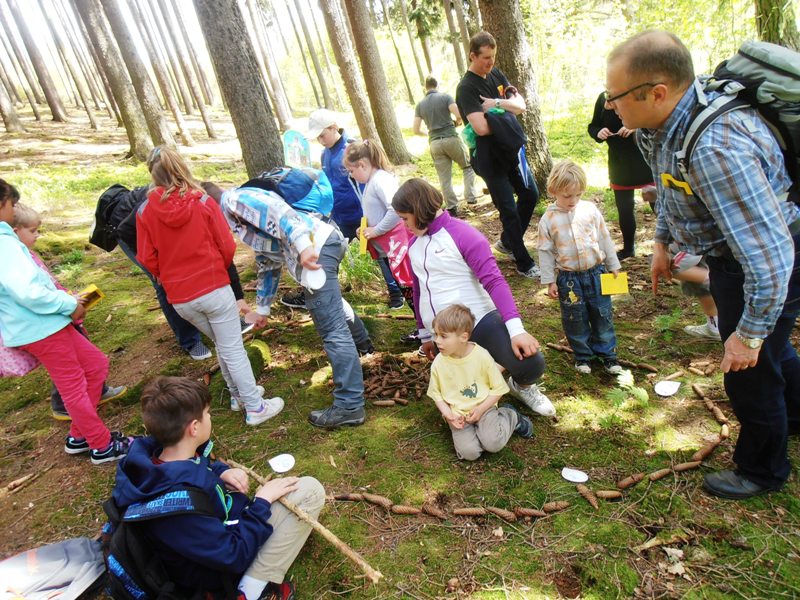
{"x": 116, "y": 449}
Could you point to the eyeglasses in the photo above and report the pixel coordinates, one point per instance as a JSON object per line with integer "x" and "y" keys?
{"x": 623, "y": 94}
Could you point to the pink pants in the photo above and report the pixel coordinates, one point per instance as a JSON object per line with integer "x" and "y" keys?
{"x": 78, "y": 370}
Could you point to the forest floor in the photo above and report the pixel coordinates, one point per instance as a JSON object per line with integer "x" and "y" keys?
{"x": 664, "y": 538}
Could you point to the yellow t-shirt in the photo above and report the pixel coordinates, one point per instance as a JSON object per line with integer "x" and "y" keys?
{"x": 463, "y": 383}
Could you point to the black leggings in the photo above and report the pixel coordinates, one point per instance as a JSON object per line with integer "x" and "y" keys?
{"x": 491, "y": 334}
{"x": 627, "y": 217}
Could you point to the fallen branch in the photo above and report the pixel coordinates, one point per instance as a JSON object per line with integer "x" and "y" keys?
{"x": 13, "y": 487}
{"x": 399, "y": 317}
{"x": 654, "y": 542}
{"x": 373, "y": 575}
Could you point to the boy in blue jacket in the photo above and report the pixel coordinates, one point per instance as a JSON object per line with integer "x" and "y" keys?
{"x": 253, "y": 540}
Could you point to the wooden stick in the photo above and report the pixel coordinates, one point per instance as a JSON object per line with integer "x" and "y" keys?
{"x": 400, "y": 317}
{"x": 373, "y": 575}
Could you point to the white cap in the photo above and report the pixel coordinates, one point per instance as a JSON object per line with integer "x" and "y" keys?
{"x": 319, "y": 120}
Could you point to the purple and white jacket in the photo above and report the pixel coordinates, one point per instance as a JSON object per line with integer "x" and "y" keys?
{"x": 453, "y": 264}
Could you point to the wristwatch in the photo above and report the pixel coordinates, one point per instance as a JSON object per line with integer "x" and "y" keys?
{"x": 497, "y": 103}
{"x": 752, "y": 343}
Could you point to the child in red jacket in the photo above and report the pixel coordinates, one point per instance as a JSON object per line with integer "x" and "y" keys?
{"x": 185, "y": 242}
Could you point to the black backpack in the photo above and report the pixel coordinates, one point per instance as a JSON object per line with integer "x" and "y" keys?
{"x": 135, "y": 570}
{"x": 104, "y": 232}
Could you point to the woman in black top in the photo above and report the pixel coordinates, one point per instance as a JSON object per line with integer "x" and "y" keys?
{"x": 627, "y": 170}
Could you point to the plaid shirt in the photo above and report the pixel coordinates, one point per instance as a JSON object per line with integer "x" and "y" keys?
{"x": 737, "y": 178}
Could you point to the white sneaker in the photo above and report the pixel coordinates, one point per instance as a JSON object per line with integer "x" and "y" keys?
{"x": 703, "y": 331}
{"x": 269, "y": 408}
{"x": 532, "y": 273}
{"x": 236, "y": 407}
{"x": 583, "y": 367}
{"x": 533, "y": 398}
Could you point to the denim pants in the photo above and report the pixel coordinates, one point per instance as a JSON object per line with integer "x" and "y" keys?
{"x": 515, "y": 216}
{"x": 586, "y": 314}
{"x": 186, "y": 333}
{"x": 327, "y": 311}
{"x": 217, "y": 316}
{"x": 765, "y": 398}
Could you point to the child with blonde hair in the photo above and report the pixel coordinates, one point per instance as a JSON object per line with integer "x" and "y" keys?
{"x": 575, "y": 248}
{"x": 184, "y": 241}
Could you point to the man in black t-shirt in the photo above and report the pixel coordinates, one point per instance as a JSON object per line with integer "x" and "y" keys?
{"x": 482, "y": 88}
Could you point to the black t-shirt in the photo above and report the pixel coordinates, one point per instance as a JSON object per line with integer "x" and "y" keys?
{"x": 472, "y": 87}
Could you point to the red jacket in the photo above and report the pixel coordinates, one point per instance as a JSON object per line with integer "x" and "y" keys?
{"x": 185, "y": 243}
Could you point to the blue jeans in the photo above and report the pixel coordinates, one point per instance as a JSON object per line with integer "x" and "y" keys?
{"x": 586, "y": 314}
{"x": 765, "y": 398}
{"x": 388, "y": 276}
{"x": 186, "y": 333}
{"x": 325, "y": 306}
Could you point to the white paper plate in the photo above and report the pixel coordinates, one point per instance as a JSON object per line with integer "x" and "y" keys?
{"x": 312, "y": 280}
{"x": 281, "y": 463}
{"x": 667, "y": 388}
{"x": 574, "y": 475}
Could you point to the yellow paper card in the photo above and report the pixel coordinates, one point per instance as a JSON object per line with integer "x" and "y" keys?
{"x": 362, "y": 241}
{"x": 92, "y": 295}
{"x": 610, "y": 285}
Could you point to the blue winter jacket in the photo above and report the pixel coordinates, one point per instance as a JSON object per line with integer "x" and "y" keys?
{"x": 196, "y": 549}
{"x": 346, "y": 205}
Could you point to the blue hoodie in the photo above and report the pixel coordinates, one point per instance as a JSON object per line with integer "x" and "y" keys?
{"x": 346, "y": 205}
{"x": 196, "y": 549}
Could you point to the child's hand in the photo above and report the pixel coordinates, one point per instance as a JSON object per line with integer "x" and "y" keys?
{"x": 369, "y": 233}
{"x": 475, "y": 415}
{"x": 615, "y": 273}
{"x": 552, "y": 290}
{"x": 243, "y": 306}
{"x": 277, "y": 488}
{"x": 78, "y": 313}
{"x": 455, "y": 421}
{"x": 235, "y": 480}
{"x": 429, "y": 349}
{"x": 308, "y": 259}
{"x": 258, "y": 321}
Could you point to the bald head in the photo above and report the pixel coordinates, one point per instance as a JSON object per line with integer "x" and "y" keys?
{"x": 655, "y": 56}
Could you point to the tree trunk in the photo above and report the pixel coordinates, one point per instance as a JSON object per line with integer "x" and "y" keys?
{"x": 169, "y": 52}
{"x": 145, "y": 91}
{"x": 776, "y": 23}
{"x": 237, "y": 74}
{"x": 22, "y": 60}
{"x": 272, "y": 58}
{"x": 348, "y": 67}
{"x": 303, "y": 53}
{"x": 324, "y": 52}
{"x": 377, "y": 86}
{"x": 161, "y": 74}
{"x": 9, "y": 114}
{"x": 323, "y": 84}
{"x": 79, "y": 52}
{"x": 276, "y": 24}
{"x": 42, "y": 74}
{"x": 404, "y": 12}
{"x": 61, "y": 43}
{"x": 183, "y": 59}
{"x": 208, "y": 93}
{"x": 477, "y": 22}
{"x": 462, "y": 26}
{"x": 454, "y": 36}
{"x": 423, "y": 39}
{"x": 11, "y": 57}
{"x": 11, "y": 89}
{"x": 503, "y": 19}
{"x": 397, "y": 51}
{"x": 109, "y": 57}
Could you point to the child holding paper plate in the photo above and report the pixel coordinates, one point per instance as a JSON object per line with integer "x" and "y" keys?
{"x": 575, "y": 248}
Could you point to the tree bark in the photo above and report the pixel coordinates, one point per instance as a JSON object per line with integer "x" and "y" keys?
{"x": 775, "y": 22}
{"x": 161, "y": 74}
{"x": 323, "y": 84}
{"x": 348, "y": 67}
{"x": 423, "y": 39}
{"x": 22, "y": 60}
{"x": 169, "y": 52}
{"x": 377, "y": 86}
{"x": 57, "y": 109}
{"x": 9, "y": 114}
{"x": 462, "y": 26}
{"x": 236, "y": 68}
{"x": 208, "y": 93}
{"x": 476, "y": 19}
{"x": 108, "y": 56}
{"x": 397, "y": 51}
{"x": 11, "y": 89}
{"x": 264, "y": 22}
{"x": 80, "y": 54}
{"x": 503, "y": 19}
{"x": 303, "y": 53}
{"x": 404, "y": 13}
{"x": 11, "y": 57}
{"x": 454, "y": 36}
{"x": 324, "y": 52}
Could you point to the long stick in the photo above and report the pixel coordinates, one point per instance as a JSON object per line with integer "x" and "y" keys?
{"x": 373, "y": 575}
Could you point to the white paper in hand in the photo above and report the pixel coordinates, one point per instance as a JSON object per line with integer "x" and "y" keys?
{"x": 281, "y": 463}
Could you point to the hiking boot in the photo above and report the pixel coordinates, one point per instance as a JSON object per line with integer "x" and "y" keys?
{"x": 502, "y": 248}
{"x": 524, "y": 428}
{"x": 532, "y": 273}
{"x": 246, "y": 327}
{"x": 269, "y": 408}
{"x": 59, "y": 411}
{"x": 612, "y": 367}
{"x": 116, "y": 449}
{"x": 73, "y": 445}
{"x": 199, "y": 351}
{"x": 410, "y": 338}
{"x": 294, "y": 299}
{"x": 396, "y": 300}
{"x": 236, "y": 407}
{"x": 703, "y": 331}
{"x": 583, "y": 367}
{"x": 278, "y": 591}
{"x": 334, "y": 417}
{"x": 533, "y": 398}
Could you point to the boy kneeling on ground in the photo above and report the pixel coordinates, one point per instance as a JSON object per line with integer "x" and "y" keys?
{"x": 254, "y": 541}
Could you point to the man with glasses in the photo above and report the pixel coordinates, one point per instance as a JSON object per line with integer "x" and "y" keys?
{"x": 731, "y": 208}
{"x": 483, "y": 88}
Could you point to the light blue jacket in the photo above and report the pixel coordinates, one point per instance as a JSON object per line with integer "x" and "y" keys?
{"x": 31, "y": 307}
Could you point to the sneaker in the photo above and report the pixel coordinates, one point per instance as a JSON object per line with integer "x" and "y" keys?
{"x": 269, "y": 408}
{"x": 533, "y": 398}
{"x": 410, "y": 338}
{"x": 583, "y": 367}
{"x": 612, "y": 367}
{"x": 294, "y": 299}
{"x": 366, "y": 350}
{"x": 334, "y": 417}
{"x": 524, "y": 428}
{"x": 396, "y": 300}
{"x": 73, "y": 445}
{"x": 112, "y": 393}
{"x": 624, "y": 254}
{"x": 278, "y": 591}
{"x": 236, "y": 407}
{"x": 246, "y": 327}
{"x": 421, "y": 351}
{"x": 532, "y": 273}
{"x": 502, "y": 248}
{"x": 703, "y": 331}
{"x": 116, "y": 449}
{"x": 59, "y": 411}
{"x": 199, "y": 351}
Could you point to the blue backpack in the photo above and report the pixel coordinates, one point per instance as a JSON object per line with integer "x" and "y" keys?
{"x": 303, "y": 188}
